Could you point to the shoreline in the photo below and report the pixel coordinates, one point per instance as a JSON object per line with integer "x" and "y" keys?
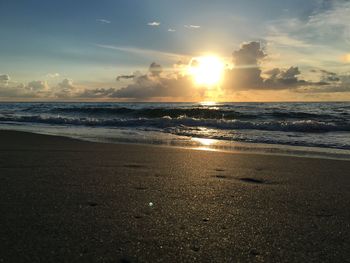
{"x": 194, "y": 143}
{"x": 76, "y": 201}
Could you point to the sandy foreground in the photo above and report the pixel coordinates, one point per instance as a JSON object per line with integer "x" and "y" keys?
{"x": 63, "y": 200}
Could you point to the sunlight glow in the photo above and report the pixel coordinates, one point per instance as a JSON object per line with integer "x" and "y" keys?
{"x": 204, "y": 141}
{"x": 208, "y": 103}
{"x": 346, "y": 58}
{"x": 206, "y": 70}
{"x": 205, "y": 144}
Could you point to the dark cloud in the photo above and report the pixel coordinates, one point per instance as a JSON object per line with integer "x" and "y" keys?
{"x": 336, "y": 84}
{"x": 4, "y": 78}
{"x": 151, "y": 85}
{"x": 325, "y": 75}
{"x": 146, "y": 87}
{"x": 142, "y": 87}
{"x": 279, "y": 78}
{"x": 154, "y": 85}
{"x": 246, "y": 60}
{"x": 250, "y": 54}
{"x": 329, "y": 76}
{"x": 155, "y": 69}
{"x": 247, "y": 74}
{"x": 125, "y": 77}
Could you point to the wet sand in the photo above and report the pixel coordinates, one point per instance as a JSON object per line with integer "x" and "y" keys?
{"x": 63, "y": 200}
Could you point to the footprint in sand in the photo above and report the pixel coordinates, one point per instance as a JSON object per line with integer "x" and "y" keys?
{"x": 252, "y": 180}
{"x": 220, "y": 176}
{"x": 244, "y": 179}
{"x": 141, "y": 188}
{"x": 134, "y": 166}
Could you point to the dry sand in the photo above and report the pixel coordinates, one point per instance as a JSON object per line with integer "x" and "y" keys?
{"x": 63, "y": 200}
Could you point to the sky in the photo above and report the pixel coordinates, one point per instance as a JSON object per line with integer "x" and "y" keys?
{"x": 132, "y": 50}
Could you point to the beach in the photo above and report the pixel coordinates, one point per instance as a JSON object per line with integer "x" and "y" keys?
{"x": 65, "y": 200}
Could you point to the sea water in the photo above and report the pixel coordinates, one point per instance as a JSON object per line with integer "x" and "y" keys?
{"x": 293, "y": 128}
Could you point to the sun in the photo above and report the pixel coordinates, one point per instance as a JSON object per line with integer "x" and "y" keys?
{"x": 206, "y": 70}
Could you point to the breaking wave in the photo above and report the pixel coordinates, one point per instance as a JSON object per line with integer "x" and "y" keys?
{"x": 311, "y": 126}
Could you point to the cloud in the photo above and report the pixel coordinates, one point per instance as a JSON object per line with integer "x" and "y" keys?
{"x": 325, "y": 26}
{"x": 192, "y": 26}
{"x": 66, "y": 84}
{"x": 37, "y": 86}
{"x": 34, "y": 89}
{"x": 103, "y": 21}
{"x": 320, "y": 39}
{"x": 66, "y": 89}
{"x": 97, "y": 93}
{"x": 332, "y": 24}
{"x": 247, "y": 74}
{"x": 328, "y": 89}
{"x": 332, "y": 83}
{"x": 249, "y": 54}
{"x": 155, "y": 69}
{"x": 41, "y": 89}
{"x": 171, "y": 30}
{"x": 154, "y": 23}
{"x": 12, "y": 92}
{"x": 153, "y": 85}
{"x": 328, "y": 76}
{"x": 284, "y": 40}
{"x": 145, "y": 52}
{"x": 53, "y": 75}
{"x": 146, "y": 87}
{"x": 125, "y": 77}
{"x": 4, "y": 79}
{"x": 284, "y": 78}
{"x": 289, "y": 79}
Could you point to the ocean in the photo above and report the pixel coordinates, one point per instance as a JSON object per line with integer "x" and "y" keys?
{"x": 314, "y": 129}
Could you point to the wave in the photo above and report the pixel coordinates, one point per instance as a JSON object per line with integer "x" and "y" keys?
{"x": 196, "y": 112}
{"x": 154, "y": 112}
{"x": 93, "y": 110}
{"x": 311, "y": 126}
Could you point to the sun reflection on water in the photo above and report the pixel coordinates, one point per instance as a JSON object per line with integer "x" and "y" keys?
{"x": 205, "y": 144}
{"x": 208, "y": 103}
